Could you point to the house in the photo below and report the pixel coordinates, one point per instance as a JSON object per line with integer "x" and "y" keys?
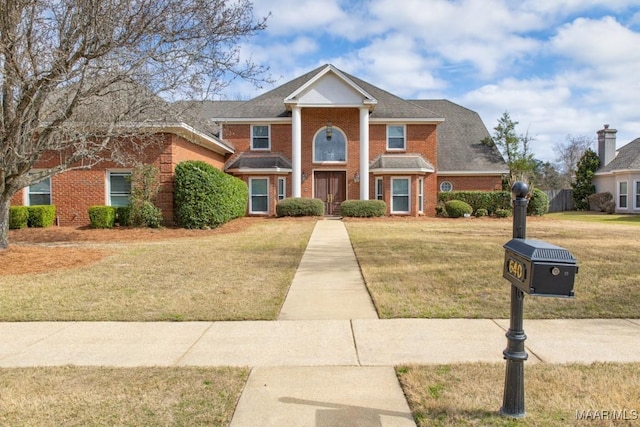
{"x": 164, "y": 139}
{"x": 619, "y": 172}
{"x": 325, "y": 134}
{"x": 331, "y": 136}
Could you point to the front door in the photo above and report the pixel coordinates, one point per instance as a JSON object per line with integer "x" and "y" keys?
{"x": 330, "y": 187}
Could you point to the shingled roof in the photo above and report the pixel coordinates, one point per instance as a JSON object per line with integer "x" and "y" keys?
{"x": 271, "y": 104}
{"x": 460, "y": 147}
{"x": 627, "y": 158}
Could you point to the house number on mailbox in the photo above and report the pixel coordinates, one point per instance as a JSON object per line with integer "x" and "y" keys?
{"x": 516, "y": 269}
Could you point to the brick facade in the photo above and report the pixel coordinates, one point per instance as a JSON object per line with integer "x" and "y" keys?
{"x": 74, "y": 191}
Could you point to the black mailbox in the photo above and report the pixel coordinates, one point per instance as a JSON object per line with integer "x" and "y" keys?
{"x": 539, "y": 268}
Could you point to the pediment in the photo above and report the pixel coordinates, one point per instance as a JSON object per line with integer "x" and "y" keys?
{"x": 330, "y": 88}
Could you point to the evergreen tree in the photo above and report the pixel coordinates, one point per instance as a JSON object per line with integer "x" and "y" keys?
{"x": 583, "y": 185}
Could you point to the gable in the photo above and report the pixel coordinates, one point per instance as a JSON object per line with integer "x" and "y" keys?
{"x": 330, "y": 90}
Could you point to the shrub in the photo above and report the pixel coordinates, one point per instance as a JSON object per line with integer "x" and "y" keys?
{"x": 610, "y": 207}
{"x": 503, "y": 213}
{"x": 441, "y": 211}
{"x": 296, "y": 206}
{"x": 123, "y": 215}
{"x": 41, "y": 215}
{"x": 206, "y": 197}
{"x": 18, "y": 217}
{"x": 538, "y": 203}
{"x": 598, "y": 201}
{"x": 102, "y": 216}
{"x": 457, "y": 208}
{"x": 145, "y": 184}
{"x": 489, "y": 200}
{"x": 363, "y": 208}
{"x": 481, "y": 212}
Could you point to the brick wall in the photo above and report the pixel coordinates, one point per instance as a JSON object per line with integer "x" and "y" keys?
{"x": 464, "y": 183}
{"x": 420, "y": 139}
{"x": 74, "y": 191}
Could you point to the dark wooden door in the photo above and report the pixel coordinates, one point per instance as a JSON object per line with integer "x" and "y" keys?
{"x": 330, "y": 187}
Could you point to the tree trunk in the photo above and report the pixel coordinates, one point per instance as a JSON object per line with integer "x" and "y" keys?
{"x": 5, "y": 202}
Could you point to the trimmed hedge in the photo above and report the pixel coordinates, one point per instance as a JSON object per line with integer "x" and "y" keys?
{"x": 489, "y": 200}
{"x": 123, "y": 215}
{"x": 206, "y": 197}
{"x": 41, "y": 215}
{"x": 538, "y": 203}
{"x": 457, "y": 208}
{"x": 18, "y": 217}
{"x": 102, "y": 216}
{"x": 363, "y": 208}
{"x": 503, "y": 213}
{"x": 481, "y": 212}
{"x": 297, "y": 206}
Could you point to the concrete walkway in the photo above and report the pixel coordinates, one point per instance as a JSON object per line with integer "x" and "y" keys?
{"x": 322, "y": 366}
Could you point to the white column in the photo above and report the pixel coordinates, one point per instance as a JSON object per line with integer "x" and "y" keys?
{"x": 296, "y": 152}
{"x": 364, "y": 153}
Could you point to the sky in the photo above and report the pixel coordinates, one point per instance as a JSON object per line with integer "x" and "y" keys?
{"x": 560, "y": 68}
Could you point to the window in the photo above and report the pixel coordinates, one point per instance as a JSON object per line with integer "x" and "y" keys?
{"x": 379, "y": 189}
{"x": 40, "y": 193}
{"x": 282, "y": 188}
{"x": 446, "y": 186}
{"x": 637, "y": 204}
{"x": 330, "y": 150}
{"x": 119, "y": 190}
{"x": 420, "y": 195}
{"x": 395, "y": 138}
{"x": 259, "y": 198}
{"x": 400, "y": 195}
{"x": 622, "y": 194}
{"x": 260, "y": 137}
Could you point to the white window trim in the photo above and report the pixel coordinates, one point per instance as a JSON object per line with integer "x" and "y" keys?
{"x": 636, "y": 192}
{"x": 619, "y": 194}
{"x": 27, "y": 193}
{"x": 404, "y": 133}
{"x": 331, "y": 162}
{"x": 108, "y": 182}
{"x": 282, "y": 195}
{"x": 268, "y": 139}
{"x": 420, "y": 195}
{"x": 251, "y": 210}
{"x": 379, "y": 189}
{"x": 407, "y": 178}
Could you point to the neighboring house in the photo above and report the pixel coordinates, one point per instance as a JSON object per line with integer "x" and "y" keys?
{"x": 325, "y": 134}
{"x": 619, "y": 171}
{"x": 332, "y": 136}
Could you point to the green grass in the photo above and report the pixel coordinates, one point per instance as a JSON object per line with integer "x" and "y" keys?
{"x": 596, "y": 217}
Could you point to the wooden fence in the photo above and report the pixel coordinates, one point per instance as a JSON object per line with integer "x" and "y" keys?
{"x": 560, "y": 200}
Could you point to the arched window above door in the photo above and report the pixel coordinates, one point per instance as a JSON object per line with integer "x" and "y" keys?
{"x": 333, "y": 149}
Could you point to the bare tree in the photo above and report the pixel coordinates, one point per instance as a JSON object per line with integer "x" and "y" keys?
{"x": 569, "y": 154}
{"x": 78, "y": 76}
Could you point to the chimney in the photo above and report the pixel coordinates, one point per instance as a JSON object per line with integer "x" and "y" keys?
{"x": 606, "y": 145}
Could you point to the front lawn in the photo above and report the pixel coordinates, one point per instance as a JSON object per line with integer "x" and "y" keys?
{"x": 452, "y": 268}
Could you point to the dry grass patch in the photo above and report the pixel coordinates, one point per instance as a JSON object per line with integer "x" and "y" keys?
{"x": 236, "y": 275}
{"x": 75, "y": 396}
{"x": 471, "y": 394}
{"x": 446, "y": 268}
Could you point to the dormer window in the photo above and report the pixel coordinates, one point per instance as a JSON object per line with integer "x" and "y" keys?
{"x": 396, "y": 137}
{"x": 260, "y": 137}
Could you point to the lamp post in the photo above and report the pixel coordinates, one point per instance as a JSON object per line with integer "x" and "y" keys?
{"x": 515, "y": 354}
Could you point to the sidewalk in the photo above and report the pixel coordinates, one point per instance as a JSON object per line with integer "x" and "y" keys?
{"x": 319, "y": 365}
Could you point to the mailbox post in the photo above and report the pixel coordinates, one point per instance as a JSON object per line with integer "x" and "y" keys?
{"x": 536, "y": 268}
{"x": 515, "y": 354}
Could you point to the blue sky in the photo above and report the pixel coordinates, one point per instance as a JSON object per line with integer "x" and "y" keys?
{"x": 559, "y": 67}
